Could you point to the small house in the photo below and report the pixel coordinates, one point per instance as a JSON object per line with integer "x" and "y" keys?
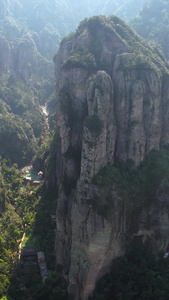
{"x": 40, "y": 174}
{"x": 41, "y": 256}
{"x": 28, "y": 260}
{"x": 42, "y": 264}
{"x": 27, "y": 179}
{"x": 35, "y": 182}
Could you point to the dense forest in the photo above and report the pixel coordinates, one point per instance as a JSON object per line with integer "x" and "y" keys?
{"x": 24, "y": 209}
{"x": 64, "y": 15}
{"x": 136, "y": 276}
{"x": 140, "y": 274}
{"x": 29, "y": 36}
{"x": 22, "y": 122}
{"x": 152, "y": 23}
{"x": 30, "y": 33}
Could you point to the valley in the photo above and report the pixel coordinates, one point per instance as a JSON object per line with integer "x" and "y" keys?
{"x": 84, "y": 180}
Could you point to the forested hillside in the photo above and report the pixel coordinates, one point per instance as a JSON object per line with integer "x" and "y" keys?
{"x": 102, "y": 150}
{"x": 58, "y": 18}
{"x": 153, "y": 23}
{"x": 30, "y": 33}
{"x": 26, "y": 82}
{"x": 22, "y": 122}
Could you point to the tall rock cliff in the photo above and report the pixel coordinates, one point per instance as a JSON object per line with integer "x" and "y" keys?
{"x": 112, "y": 103}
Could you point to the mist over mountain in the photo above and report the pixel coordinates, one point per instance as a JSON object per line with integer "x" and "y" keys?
{"x": 65, "y": 15}
{"x": 88, "y": 106}
{"x": 152, "y": 23}
{"x": 30, "y": 33}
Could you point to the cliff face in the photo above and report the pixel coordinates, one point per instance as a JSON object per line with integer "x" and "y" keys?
{"x": 23, "y": 58}
{"x": 112, "y": 103}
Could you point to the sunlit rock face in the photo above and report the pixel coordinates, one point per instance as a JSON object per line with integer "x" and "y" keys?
{"x": 112, "y": 104}
{"x": 138, "y": 110}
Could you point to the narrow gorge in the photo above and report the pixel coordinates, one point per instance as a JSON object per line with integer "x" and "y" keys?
{"x": 93, "y": 125}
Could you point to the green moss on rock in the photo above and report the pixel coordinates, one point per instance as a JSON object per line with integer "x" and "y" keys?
{"x": 94, "y": 124}
{"x": 80, "y": 59}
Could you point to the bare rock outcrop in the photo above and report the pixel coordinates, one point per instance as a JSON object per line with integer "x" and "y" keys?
{"x": 138, "y": 111}
{"x": 112, "y": 92}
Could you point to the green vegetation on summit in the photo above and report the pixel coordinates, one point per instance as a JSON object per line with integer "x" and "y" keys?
{"x": 116, "y": 202}
{"x": 146, "y": 56}
{"x": 116, "y": 188}
{"x": 81, "y": 59}
{"x": 152, "y": 23}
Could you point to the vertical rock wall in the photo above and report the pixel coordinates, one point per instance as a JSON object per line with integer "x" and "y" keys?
{"x": 117, "y": 111}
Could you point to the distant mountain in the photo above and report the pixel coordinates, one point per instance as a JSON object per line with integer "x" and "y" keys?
{"x": 30, "y": 33}
{"x": 51, "y": 20}
{"x": 65, "y": 15}
{"x": 152, "y": 23}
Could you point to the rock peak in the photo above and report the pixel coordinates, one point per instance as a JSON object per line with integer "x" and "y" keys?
{"x": 112, "y": 103}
